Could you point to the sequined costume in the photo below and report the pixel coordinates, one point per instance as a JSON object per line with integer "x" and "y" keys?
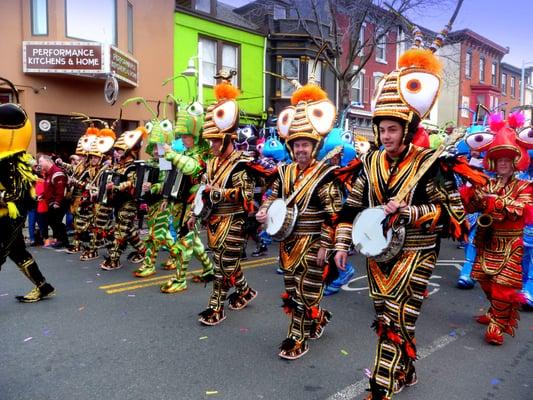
{"x": 502, "y": 204}
{"x": 17, "y": 195}
{"x": 230, "y": 197}
{"x": 527, "y": 260}
{"x": 191, "y": 163}
{"x": 125, "y": 207}
{"x": 433, "y": 209}
{"x": 99, "y": 214}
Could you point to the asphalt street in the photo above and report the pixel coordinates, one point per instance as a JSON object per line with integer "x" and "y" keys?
{"x": 108, "y": 335}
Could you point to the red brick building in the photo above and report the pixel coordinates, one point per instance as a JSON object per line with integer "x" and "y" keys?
{"x": 480, "y": 73}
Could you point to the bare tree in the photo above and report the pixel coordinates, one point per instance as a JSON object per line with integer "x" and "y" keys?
{"x": 347, "y": 51}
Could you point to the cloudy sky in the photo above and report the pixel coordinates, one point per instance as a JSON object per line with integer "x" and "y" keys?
{"x": 507, "y": 23}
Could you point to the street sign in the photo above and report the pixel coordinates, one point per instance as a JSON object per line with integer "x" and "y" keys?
{"x": 111, "y": 89}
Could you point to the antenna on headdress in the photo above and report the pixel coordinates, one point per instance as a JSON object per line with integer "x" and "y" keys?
{"x": 312, "y": 75}
{"x": 439, "y": 40}
{"x": 293, "y": 82}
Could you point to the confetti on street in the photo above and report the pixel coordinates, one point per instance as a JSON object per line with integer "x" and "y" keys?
{"x": 344, "y": 352}
{"x": 131, "y": 295}
{"x": 202, "y": 338}
{"x": 495, "y": 381}
{"x": 211, "y": 392}
{"x": 244, "y": 330}
{"x": 28, "y": 339}
{"x": 81, "y": 308}
{"x": 4, "y": 294}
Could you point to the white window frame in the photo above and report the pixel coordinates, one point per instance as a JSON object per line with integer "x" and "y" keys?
{"x": 71, "y": 27}
{"x": 494, "y": 73}
{"x": 41, "y": 18}
{"x": 218, "y": 50}
{"x": 285, "y": 85}
{"x": 196, "y": 8}
{"x": 360, "y": 83}
{"x": 382, "y": 44}
{"x": 513, "y": 87}
{"x": 468, "y": 64}
{"x": 482, "y": 64}
{"x": 504, "y": 83}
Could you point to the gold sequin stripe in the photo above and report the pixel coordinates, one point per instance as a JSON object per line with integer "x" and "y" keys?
{"x": 83, "y": 218}
{"x": 300, "y": 122}
{"x": 125, "y": 231}
{"x": 101, "y": 224}
{"x": 308, "y": 285}
{"x": 402, "y": 314}
{"x": 378, "y": 172}
{"x": 209, "y": 126}
{"x": 501, "y": 263}
{"x": 227, "y": 260}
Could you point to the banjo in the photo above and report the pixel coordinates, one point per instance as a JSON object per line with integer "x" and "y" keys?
{"x": 281, "y": 216}
{"x": 368, "y": 233}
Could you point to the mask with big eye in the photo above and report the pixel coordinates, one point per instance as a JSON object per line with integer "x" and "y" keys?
{"x": 166, "y": 125}
{"x": 149, "y": 126}
{"x": 87, "y": 141}
{"x": 225, "y": 115}
{"x": 525, "y": 138}
{"x": 347, "y": 137}
{"x": 419, "y": 90}
{"x": 321, "y": 115}
{"x": 377, "y": 92}
{"x": 285, "y": 119}
{"x": 479, "y": 141}
{"x": 104, "y": 143}
{"x": 196, "y": 109}
{"x": 131, "y": 138}
{"x": 362, "y": 147}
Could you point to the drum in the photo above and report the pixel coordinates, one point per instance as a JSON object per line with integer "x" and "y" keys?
{"x": 144, "y": 173}
{"x": 280, "y": 220}
{"x": 174, "y": 185}
{"x": 369, "y": 239}
{"x": 107, "y": 177}
{"x": 201, "y": 206}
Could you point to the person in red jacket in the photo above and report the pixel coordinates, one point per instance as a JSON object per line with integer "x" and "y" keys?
{"x": 55, "y": 182}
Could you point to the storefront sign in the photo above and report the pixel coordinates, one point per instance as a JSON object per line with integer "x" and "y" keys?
{"x": 63, "y": 57}
{"x": 111, "y": 90}
{"x": 123, "y": 66}
{"x": 44, "y": 125}
{"x": 79, "y": 58}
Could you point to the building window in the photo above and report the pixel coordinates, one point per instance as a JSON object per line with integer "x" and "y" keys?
{"x": 504, "y": 83}
{"x": 468, "y": 64}
{"x": 230, "y": 60}
{"x": 39, "y": 17}
{"x": 290, "y": 67}
{"x": 318, "y": 71}
{"x": 102, "y": 16}
{"x": 130, "y": 28}
{"x": 357, "y": 89}
{"x": 381, "y": 49}
{"x": 361, "y": 40}
{"x": 203, "y": 6}
{"x": 494, "y": 73}
{"x": 279, "y": 12}
{"x": 482, "y": 69}
{"x": 513, "y": 86}
{"x": 216, "y": 55}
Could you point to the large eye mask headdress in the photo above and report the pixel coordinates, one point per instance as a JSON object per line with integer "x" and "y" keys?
{"x": 408, "y": 93}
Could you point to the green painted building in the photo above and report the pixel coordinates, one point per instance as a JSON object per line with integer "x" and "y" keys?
{"x": 226, "y": 40}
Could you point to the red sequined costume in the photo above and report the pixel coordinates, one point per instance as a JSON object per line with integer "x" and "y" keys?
{"x": 502, "y": 202}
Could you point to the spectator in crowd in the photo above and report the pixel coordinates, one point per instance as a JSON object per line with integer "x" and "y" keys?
{"x": 55, "y": 182}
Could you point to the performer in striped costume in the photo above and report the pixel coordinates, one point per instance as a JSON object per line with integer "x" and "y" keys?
{"x": 127, "y": 149}
{"x": 502, "y": 202}
{"x": 317, "y": 196}
{"x": 433, "y": 208}
{"x": 229, "y": 193}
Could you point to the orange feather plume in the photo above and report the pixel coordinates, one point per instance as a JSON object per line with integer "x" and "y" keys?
{"x": 422, "y": 58}
{"x": 92, "y": 130}
{"x": 308, "y": 92}
{"x": 107, "y": 132}
{"x": 226, "y": 91}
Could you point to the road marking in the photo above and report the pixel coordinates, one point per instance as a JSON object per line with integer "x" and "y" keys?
{"x": 359, "y": 387}
{"x": 155, "y": 281}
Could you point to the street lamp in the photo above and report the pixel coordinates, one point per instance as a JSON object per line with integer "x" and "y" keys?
{"x": 192, "y": 71}
{"x": 523, "y": 83}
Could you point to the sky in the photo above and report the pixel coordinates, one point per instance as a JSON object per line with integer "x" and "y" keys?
{"x": 507, "y": 23}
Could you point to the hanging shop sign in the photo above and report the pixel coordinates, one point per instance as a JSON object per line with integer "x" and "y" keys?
{"x": 94, "y": 60}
